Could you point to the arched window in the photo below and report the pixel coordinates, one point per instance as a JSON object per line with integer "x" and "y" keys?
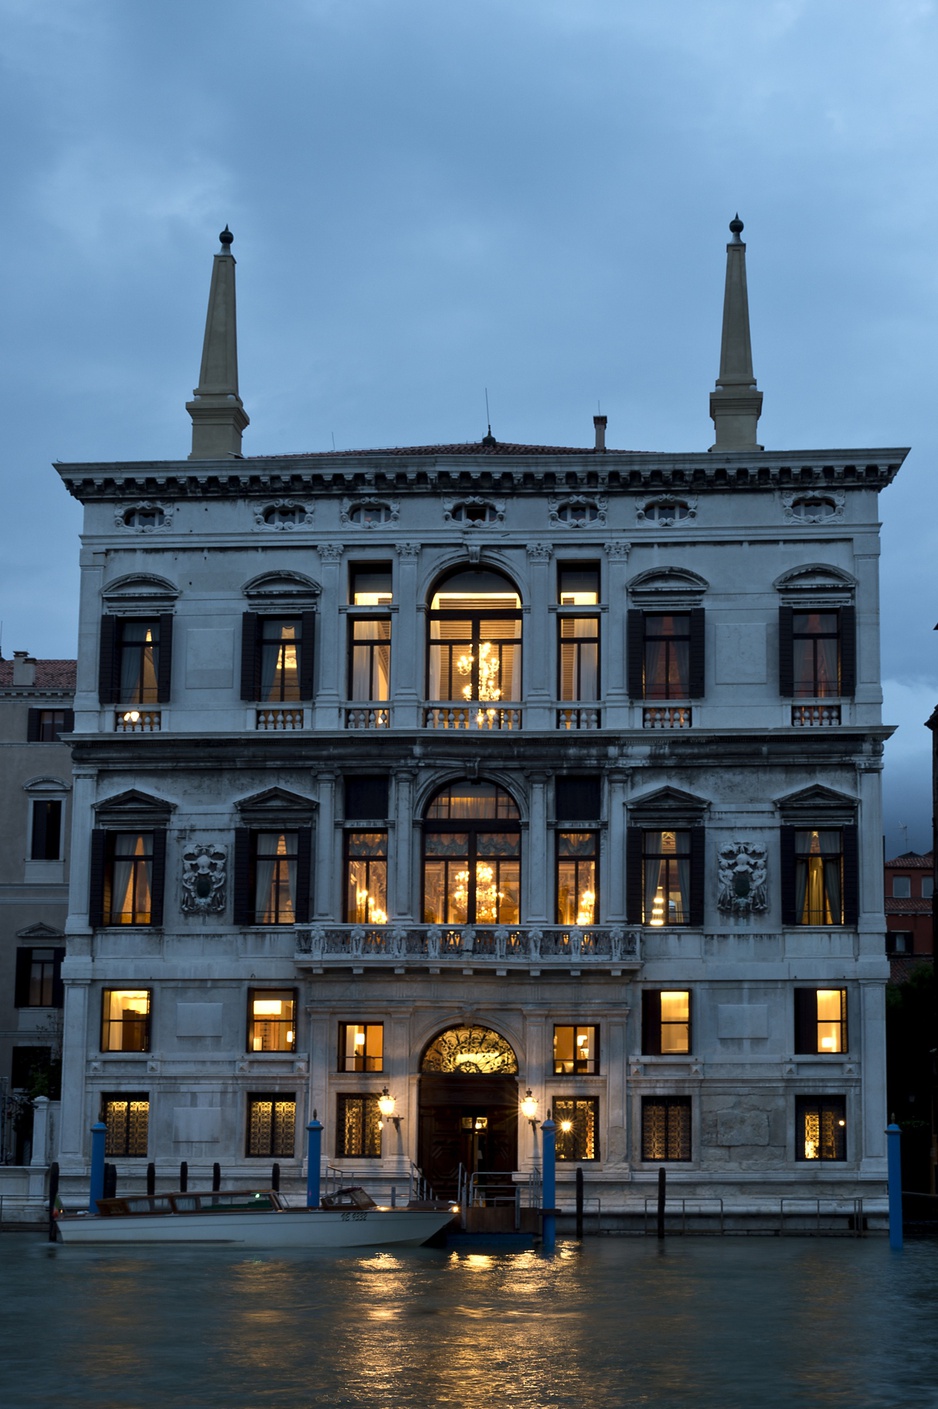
{"x": 472, "y": 857}
{"x": 470, "y": 1051}
{"x": 474, "y": 654}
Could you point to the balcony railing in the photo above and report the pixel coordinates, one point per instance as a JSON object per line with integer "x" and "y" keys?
{"x": 579, "y": 717}
{"x": 478, "y": 946}
{"x": 472, "y": 714}
{"x": 137, "y": 721}
{"x": 368, "y": 717}
{"x": 279, "y": 717}
{"x": 807, "y": 716}
{"x": 667, "y": 717}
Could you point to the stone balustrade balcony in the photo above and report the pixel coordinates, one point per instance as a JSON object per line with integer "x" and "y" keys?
{"x": 495, "y": 948}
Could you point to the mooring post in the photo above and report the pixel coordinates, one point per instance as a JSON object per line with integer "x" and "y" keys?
{"x": 110, "y": 1180}
{"x": 53, "y": 1197}
{"x": 275, "y": 1178}
{"x": 183, "y": 1176}
{"x": 894, "y": 1170}
{"x": 662, "y": 1184}
{"x": 98, "y": 1136}
{"x": 549, "y": 1212}
{"x": 151, "y": 1178}
{"x": 216, "y": 1177}
{"x": 579, "y": 1202}
{"x": 313, "y": 1158}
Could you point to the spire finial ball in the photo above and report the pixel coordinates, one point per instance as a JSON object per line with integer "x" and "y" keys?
{"x": 736, "y": 225}
{"x": 226, "y": 237}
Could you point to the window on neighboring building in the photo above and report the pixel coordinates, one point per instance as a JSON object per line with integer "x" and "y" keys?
{"x": 576, "y": 1050}
{"x": 272, "y": 872}
{"x": 666, "y": 654}
{"x": 666, "y": 1128}
{"x": 358, "y": 1127}
{"x": 577, "y": 878}
{"x": 366, "y": 878}
{"x": 125, "y": 1020}
{"x": 475, "y": 640}
{"x": 35, "y": 1071}
{"x": 44, "y": 726}
{"x": 901, "y": 887}
{"x": 277, "y": 657}
{"x": 271, "y": 1125}
{"x": 38, "y": 981}
{"x": 472, "y": 857}
{"x": 665, "y": 1022}
{"x": 271, "y": 1020}
{"x": 899, "y": 942}
{"x": 820, "y": 1128}
{"x": 817, "y": 652}
{"x": 135, "y": 660}
{"x": 46, "y": 832}
{"x": 361, "y": 1046}
{"x": 126, "y": 1115}
{"x": 820, "y": 1020}
{"x": 577, "y": 1121}
{"x": 928, "y": 887}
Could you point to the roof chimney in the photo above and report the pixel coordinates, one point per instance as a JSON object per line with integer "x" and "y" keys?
{"x": 24, "y": 668}
{"x": 736, "y": 405}
{"x": 218, "y": 416}
{"x": 599, "y": 426}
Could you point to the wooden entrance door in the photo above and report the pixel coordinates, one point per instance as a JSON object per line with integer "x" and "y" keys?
{"x": 467, "y": 1120}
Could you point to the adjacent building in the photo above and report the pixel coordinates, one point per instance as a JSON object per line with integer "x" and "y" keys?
{"x": 909, "y": 891}
{"x": 434, "y": 788}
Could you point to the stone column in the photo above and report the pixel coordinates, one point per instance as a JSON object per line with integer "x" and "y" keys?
{"x": 328, "y": 874}
{"x": 871, "y": 1141}
{"x": 538, "y": 652}
{"x": 402, "y": 899}
{"x": 615, "y": 689}
{"x": 74, "y": 1119}
{"x": 87, "y": 708}
{"x": 538, "y": 858}
{"x": 84, "y": 783}
{"x": 406, "y": 648}
{"x": 869, "y": 688}
{"x": 331, "y": 648}
{"x": 612, "y": 880}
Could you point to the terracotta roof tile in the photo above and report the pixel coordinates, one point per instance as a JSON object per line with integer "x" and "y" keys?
{"x": 50, "y": 674}
{"x": 895, "y": 906}
{"x": 477, "y": 447}
{"x": 913, "y": 861}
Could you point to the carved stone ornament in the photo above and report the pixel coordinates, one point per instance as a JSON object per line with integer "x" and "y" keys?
{"x": 742, "y": 878}
{"x": 204, "y": 877}
{"x": 577, "y": 511}
{"x": 283, "y": 515}
{"x": 814, "y": 506}
{"x": 146, "y": 516}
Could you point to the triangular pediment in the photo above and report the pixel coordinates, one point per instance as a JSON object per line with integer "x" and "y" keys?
{"x": 816, "y": 796}
{"x": 276, "y": 800}
{"x": 669, "y": 800}
{"x": 133, "y": 802}
{"x": 39, "y": 932}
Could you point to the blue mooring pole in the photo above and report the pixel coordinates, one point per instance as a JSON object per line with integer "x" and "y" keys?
{"x": 894, "y": 1168}
{"x": 98, "y": 1134}
{"x": 549, "y": 1216}
{"x": 313, "y": 1158}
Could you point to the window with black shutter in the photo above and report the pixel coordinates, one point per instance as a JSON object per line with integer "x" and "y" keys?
{"x": 665, "y": 654}
{"x": 46, "y": 837}
{"x": 666, "y": 1027}
{"x": 45, "y": 726}
{"x": 272, "y": 875}
{"x": 820, "y": 1020}
{"x": 817, "y": 651}
{"x": 128, "y": 872}
{"x": 38, "y": 982}
{"x": 665, "y": 875}
{"x": 135, "y": 659}
{"x": 819, "y": 874}
{"x": 277, "y": 657}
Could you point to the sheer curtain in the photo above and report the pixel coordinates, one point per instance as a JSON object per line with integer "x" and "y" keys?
{"x": 275, "y": 878}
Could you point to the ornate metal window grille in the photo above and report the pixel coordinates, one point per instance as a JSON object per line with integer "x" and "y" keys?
{"x": 272, "y": 1126}
{"x": 577, "y": 1120}
{"x": 470, "y": 1051}
{"x": 666, "y": 1130}
{"x": 358, "y": 1127}
{"x": 127, "y": 1118}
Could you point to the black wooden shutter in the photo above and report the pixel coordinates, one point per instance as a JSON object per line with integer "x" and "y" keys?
{"x": 108, "y": 683}
{"x": 805, "y": 1019}
{"x": 635, "y": 654}
{"x": 58, "y": 988}
{"x": 32, "y": 726}
{"x": 634, "y": 878}
{"x": 786, "y": 845}
{"x": 304, "y": 856}
{"x": 241, "y": 879}
{"x": 98, "y": 862}
{"x": 786, "y": 653}
{"x": 851, "y": 875}
{"x": 697, "y": 672}
{"x": 697, "y": 848}
{"x": 651, "y": 1022}
{"x": 164, "y": 669}
{"x": 307, "y": 632}
{"x": 24, "y": 965}
{"x": 250, "y": 657}
{"x": 848, "y": 650}
{"x": 68, "y": 724}
{"x": 158, "y": 879}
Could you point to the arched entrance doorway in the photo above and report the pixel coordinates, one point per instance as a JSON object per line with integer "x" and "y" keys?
{"x": 468, "y": 1106}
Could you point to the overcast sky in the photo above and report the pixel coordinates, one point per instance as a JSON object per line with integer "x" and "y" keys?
{"x": 430, "y": 198}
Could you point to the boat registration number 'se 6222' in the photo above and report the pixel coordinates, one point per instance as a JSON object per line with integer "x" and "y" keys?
{"x": 354, "y": 1217}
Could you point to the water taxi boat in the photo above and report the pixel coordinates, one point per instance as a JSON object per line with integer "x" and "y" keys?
{"x": 253, "y": 1218}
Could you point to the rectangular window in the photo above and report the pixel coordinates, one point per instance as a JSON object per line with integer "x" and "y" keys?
{"x": 128, "y": 878}
{"x": 576, "y": 1050}
{"x": 271, "y": 1020}
{"x": 127, "y": 1117}
{"x": 666, "y": 654}
{"x": 366, "y": 878}
{"x": 666, "y": 858}
{"x": 928, "y": 887}
{"x": 577, "y": 878}
{"x": 665, "y": 1022}
{"x": 138, "y": 660}
{"x": 817, "y": 652}
{"x": 578, "y": 657}
{"x": 370, "y": 584}
{"x": 578, "y": 798}
{"x": 369, "y": 658}
{"x": 358, "y": 1127}
{"x": 820, "y": 1128}
{"x": 275, "y": 856}
{"x": 361, "y": 1046}
{"x": 902, "y": 887}
{"x": 44, "y": 726}
{"x": 899, "y": 942}
{"x": 819, "y": 870}
{"x": 366, "y": 798}
{"x": 820, "y": 1020}
{"x": 46, "y": 839}
{"x": 577, "y": 1120}
{"x": 125, "y": 1020}
{"x": 38, "y": 978}
{"x": 35, "y": 1071}
{"x": 271, "y": 1126}
{"x": 666, "y": 1132}
{"x": 277, "y": 657}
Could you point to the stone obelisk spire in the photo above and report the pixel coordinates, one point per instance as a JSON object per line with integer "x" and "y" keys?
{"x": 736, "y": 404}
{"x": 218, "y": 417}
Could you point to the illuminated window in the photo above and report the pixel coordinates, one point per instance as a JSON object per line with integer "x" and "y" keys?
{"x": 576, "y": 1050}
{"x": 665, "y": 1022}
{"x": 666, "y": 873}
{"x": 126, "y": 1116}
{"x": 39, "y": 978}
{"x": 370, "y": 585}
{"x": 821, "y": 1128}
{"x": 125, "y": 1020}
{"x": 819, "y": 877}
{"x": 820, "y": 1020}
{"x": 128, "y": 878}
{"x": 474, "y": 651}
{"x": 361, "y": 1046}
{"x": 135, "y": 659}
{"x": 472, "y": 857}
{"x": 577, "y": 878}
{"x": 277, "y": 657}
{"x": 817, "y": 652}
{"x": 275, "y": 875}
{"x": 666, "y": 654}
{"x": 666, "y": 1128}
{"x": 358, "y": 1127}
{"x": 577, "y": 1121}
{"x": 271, "y": 1125}
{"x": 369, "y": 658}
{"x": 271, "y": 1020}
{"x": 366, "y": 878}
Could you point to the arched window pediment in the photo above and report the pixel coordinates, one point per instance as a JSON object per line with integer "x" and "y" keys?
{"x": 469, "y": 1050}
{"x": 270, "y": 590}
{"x": 678, "y": 583}
{"x": 139, "y": 593}
{"x": 812, "y": 579}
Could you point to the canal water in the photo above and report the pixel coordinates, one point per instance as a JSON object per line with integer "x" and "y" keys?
{"x": 705, "y": 1323}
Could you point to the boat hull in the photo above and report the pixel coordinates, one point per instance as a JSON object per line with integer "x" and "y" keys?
{"x": 276, "y": 1228}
